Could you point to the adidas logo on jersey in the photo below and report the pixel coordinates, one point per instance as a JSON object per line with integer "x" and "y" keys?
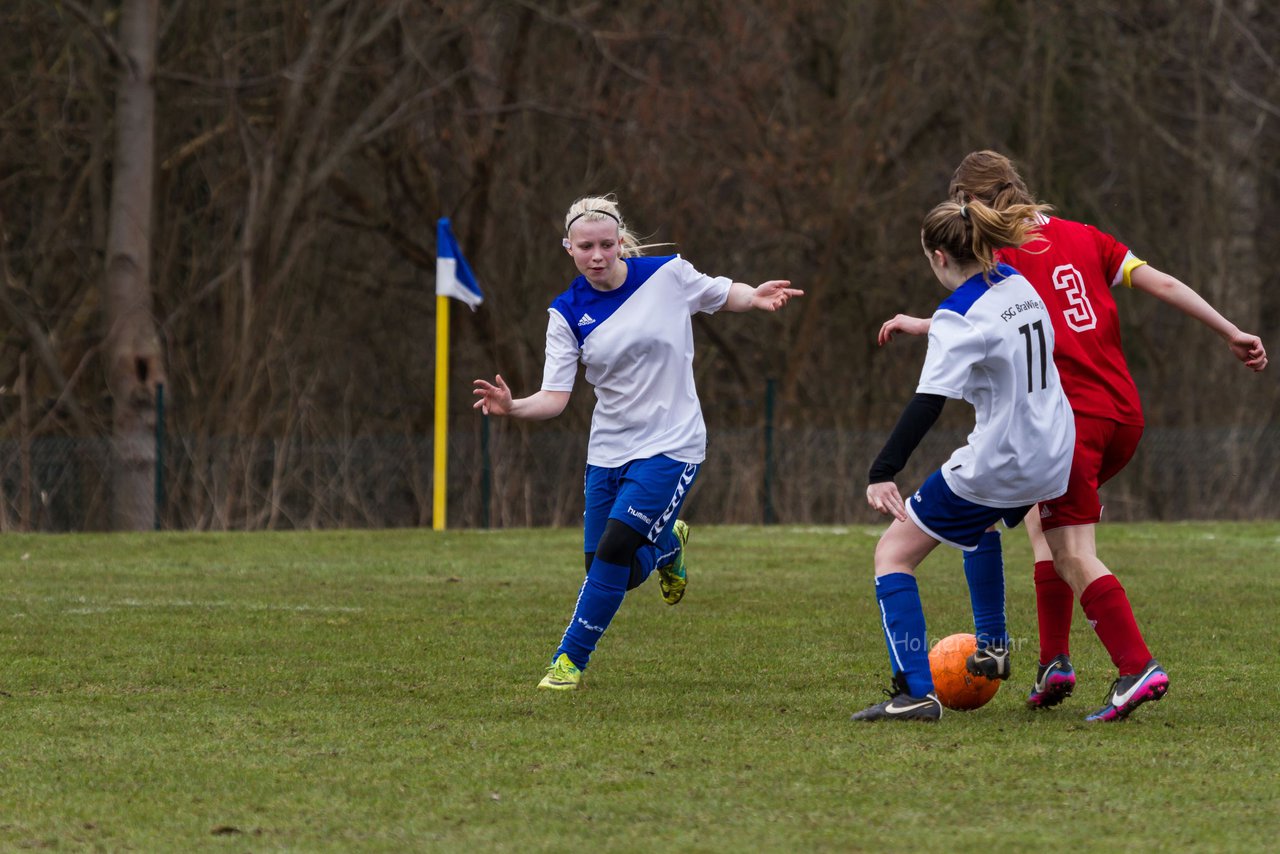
{"x": 586, "y": 320}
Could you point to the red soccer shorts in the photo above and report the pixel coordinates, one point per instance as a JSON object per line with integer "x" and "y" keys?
{"x": 1103, "y": 448}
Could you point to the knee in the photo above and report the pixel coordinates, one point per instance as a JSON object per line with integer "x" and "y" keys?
{"x": 1073, "y": 569}
{"x": 889, "y": 559}
{"x": 619, "y": 543}
{"x": 1065, "y": 563}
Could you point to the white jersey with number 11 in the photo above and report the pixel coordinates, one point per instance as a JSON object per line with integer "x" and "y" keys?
{"x": 991, "y": 343}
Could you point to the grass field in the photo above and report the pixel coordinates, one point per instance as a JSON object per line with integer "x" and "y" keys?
{"x": 375, "y": 691}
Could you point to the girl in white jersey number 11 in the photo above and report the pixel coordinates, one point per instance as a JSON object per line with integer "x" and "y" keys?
{"x": 628, "y": 319}
{"x": 991, "y": 344}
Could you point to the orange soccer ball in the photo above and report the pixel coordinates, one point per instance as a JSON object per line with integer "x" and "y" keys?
{"x": 958, "y": 688}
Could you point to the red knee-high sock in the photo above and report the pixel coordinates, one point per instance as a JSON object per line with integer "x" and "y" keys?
{"x": 1107, "y": 607}
{"x": 1054, "y": 603}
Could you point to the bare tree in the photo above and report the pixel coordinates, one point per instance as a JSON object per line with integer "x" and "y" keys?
{"x": 134, "y": 361}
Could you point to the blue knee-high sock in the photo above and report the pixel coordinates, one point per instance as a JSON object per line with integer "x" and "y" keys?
{"x": 651, "y": 556}
{"x": 902, "y": 618}
{"x": 984, "y": 570}
{"x": 598, "y": 601}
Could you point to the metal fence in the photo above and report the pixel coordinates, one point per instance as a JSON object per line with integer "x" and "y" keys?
{"x": 530, "y": 477}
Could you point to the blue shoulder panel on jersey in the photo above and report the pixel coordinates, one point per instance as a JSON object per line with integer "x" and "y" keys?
{"x": 963, "y": 297}
{"x": 584, "y": 308}
{"x": 1000, "y": 273}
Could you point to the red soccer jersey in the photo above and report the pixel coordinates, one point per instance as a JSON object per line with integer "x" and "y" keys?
{"x": 1074, "y": 276}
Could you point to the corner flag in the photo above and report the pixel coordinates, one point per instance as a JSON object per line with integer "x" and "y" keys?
{"x": 453, "y": 274}
{"x": 454, "y": 279}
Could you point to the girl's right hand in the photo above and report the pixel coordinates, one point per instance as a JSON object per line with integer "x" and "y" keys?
{"x": 1248, "y": 349}
{"x": 902, "y": 323}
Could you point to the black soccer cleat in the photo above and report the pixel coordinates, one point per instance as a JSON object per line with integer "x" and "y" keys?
{"x": 902, "y": 706}
{"x": 991, "y": 661}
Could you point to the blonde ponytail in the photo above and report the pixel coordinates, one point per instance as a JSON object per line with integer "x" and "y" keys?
{"x": 973, "y": 231}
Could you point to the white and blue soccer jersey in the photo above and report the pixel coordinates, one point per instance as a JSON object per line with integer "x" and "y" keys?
{"x": 991, "y": 343}
{"x": 636, "y": 343}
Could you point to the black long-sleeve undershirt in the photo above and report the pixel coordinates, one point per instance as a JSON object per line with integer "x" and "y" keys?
{"x": 917, "y": 417}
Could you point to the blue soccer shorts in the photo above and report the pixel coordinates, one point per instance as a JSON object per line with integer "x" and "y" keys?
{"x": 950, "y": 519}
{"x": 646, "y": 495}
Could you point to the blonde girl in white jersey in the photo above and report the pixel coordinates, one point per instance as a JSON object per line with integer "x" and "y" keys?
{"x": 627, "y": 319}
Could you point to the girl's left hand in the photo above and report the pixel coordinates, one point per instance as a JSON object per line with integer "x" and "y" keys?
{"x": 885, "y": 498}
{"x": 773, "y": 295}
{"x": 494, "y": 398}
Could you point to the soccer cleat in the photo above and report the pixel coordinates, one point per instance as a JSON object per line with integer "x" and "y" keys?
{"x": 674, "y": 577}
{"x": 990, "y": 661}
{"x": 1129, "y": 692}
{"x": 562, "y": 675}
{"x": 902, "y": 706}
{"x": 1054, "y": 683}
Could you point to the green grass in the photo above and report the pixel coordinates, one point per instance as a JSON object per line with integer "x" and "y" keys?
{"x": 375, "y": 691}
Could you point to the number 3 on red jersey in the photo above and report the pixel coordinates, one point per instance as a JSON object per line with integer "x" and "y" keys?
{"x": 1080, "y": 316}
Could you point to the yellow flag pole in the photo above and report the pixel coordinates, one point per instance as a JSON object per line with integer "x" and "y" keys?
{"x": 438, "y": 516}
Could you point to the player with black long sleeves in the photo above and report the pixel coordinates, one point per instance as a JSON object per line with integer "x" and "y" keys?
{"x": 991, "y": 344}
{"x": 628, "y": 320}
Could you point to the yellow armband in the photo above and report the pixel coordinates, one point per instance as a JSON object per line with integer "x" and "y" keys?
{"x": 1129, "y": 266}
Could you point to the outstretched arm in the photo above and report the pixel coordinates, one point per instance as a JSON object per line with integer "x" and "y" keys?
{"x": 1244, "y": 346}
{"x": 495, "y": 399}
{"x": 770, "y": 296}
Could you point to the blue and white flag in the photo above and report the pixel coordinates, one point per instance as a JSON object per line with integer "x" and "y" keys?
{"x": 453, "y": 274}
